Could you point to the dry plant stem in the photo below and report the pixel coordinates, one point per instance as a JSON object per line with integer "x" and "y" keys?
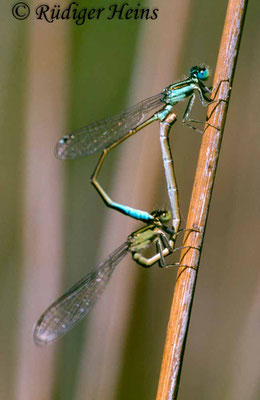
{"x": 200, "y": 201}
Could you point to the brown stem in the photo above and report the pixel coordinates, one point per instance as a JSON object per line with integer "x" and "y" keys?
{"x": 200, "y": 201}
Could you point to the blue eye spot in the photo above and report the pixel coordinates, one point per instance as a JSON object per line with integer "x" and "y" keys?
{"x": 203, "y": 74}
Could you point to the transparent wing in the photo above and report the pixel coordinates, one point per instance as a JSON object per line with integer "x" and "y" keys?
{"x": 99, "y": 135}
{"x": 70, "y": 308}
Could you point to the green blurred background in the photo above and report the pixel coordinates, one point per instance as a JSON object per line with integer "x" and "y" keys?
{"x": 58, "y": 76}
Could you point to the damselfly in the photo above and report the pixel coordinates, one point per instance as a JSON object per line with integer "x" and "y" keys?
{"x": 70, "y": 308}
{"x": 105, "y": 135}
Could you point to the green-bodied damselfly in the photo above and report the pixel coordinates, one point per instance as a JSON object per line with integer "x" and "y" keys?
{"x": 70, "y": 308}
{"x": 105, "y": 135}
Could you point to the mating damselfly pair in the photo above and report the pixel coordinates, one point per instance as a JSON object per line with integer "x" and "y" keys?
{"x": 104, "y": 136}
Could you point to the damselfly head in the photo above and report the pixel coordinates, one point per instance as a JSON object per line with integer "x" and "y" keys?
{"x": 162, "y": 216}
{"x": 200, "y": 72}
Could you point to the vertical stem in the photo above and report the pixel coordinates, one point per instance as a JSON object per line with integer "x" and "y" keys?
{"x": 200, "y": 201}
{"x": 42, "y": 176}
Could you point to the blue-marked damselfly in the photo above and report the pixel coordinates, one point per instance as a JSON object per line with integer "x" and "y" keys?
{"x": 107, "y": 134}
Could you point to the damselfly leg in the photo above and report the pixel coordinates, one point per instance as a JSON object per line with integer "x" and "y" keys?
{"x": 205, "y": 101}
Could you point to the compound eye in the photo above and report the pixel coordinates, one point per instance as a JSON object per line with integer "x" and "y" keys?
{"x": 203, "y": 74}
{"x": 165, "y": 216}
